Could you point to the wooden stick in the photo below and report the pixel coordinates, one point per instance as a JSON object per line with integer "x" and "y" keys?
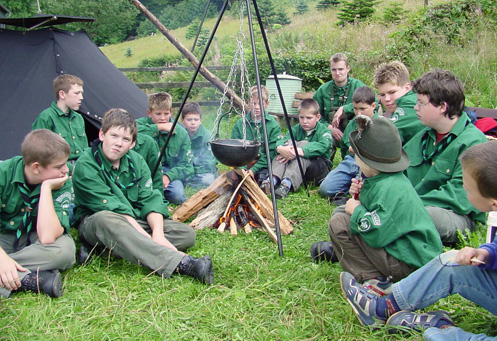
{"x": 233, "y": 227}
{"x": 247, "y": 228}
{"x": 263, "y": 221}
{"x": 221, "y": 227}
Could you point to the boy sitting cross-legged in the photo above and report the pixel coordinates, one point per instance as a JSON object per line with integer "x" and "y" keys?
{"x": 176, "y": 162}
{"x": 35, "y": 194}
{"x": 392, "y": 82}
{"x": 204, "y": 163}
{"x": 254, "y": 131}
{"x": 313, "y": 140}
{"x": 337, "y": 183}
{"x": 386, "y": 233}
{"x": 471, "y": 273}
{"x": 117, "y": 207}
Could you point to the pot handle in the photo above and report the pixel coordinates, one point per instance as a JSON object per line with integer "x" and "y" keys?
{"x": 216, "y": 137}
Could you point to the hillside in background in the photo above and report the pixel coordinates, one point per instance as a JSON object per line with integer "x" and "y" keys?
{"x": 455, "y": 35}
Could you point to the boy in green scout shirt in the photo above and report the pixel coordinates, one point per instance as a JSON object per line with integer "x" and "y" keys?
{"x": 62, "y": 118}
{"x": 337, "y": 183}
{"x": 204, "y": 163}
{"x": 386, "y": 233}
{"x": 394, "y": 89}
{"x": 35, "y": 193}
{"x": 313, "y": 140}
{"x": 335, "y": 97}
{"x": 259, "y": 168}
{"x": 149, "y": 150}
{"x": 176, "y": 162}
{"x": 435, "y": 170}
{"x": 117, "y": 207}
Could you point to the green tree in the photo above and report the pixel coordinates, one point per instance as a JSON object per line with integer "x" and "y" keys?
{"x": 115, "y": 19}
{"x": 192, "y": 29}
{"x": 21, "y": 8}
{"x": 302, "y": 7}
{"x": 324, "y": 4}
{"x": 393, "y": 13}
{"x": 356, "y": 11}
{"x": 271, "y": 15}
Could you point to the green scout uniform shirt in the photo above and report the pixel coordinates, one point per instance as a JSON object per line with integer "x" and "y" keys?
{"x": 178, "y": 154}
{"x": 273, "y": 133}
{"x": 320, "y": 140}
{"x": 405, "y": 118}
{"x": 95, "y": 191}
{"x": 70, "y": 126}
{"x": 323, "y": 97}
{"x": 12, "y": 207}
{"x": 391, "y": 216}
{"x": 149, "y": 150}
{"x": 438, "y": 181}
{"x": 203, "y": 160}
{"x": 344, "y": 142}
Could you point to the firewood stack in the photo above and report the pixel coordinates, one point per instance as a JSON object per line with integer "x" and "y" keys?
{"x": 233, "y": 202}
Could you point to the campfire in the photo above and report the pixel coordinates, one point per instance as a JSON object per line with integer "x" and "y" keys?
{"x": 233, "y": 202}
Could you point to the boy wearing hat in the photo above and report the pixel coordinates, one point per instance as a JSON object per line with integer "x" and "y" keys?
{"x": 386, "y": 233}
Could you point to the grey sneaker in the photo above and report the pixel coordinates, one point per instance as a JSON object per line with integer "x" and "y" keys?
{"x": 362, "y": 302}
{"x": 379, "y": 287}
{"x": 282, "y": 191}
{"x": 404, "y": 320}
{"x": 265, "y": 186}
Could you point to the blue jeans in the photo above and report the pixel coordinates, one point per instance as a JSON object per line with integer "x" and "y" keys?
{"x": 175, "y": 191}
{"x": 453, "y": 334}
{"x": 440, "y": 278}
{"x": 340, "y": 178}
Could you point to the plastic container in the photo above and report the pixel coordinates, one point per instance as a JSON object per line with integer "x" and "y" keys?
{"x": 290, "y": 85}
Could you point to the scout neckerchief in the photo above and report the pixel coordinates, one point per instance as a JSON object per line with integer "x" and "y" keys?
{"x": 135, "y": 181}
{"x": 342, "y": 93}
{"x": 440, "y": 146}
{"x": 27, "y": 219}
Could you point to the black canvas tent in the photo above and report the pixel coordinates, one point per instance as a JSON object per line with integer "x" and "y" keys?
{"x": 29, "y": 62}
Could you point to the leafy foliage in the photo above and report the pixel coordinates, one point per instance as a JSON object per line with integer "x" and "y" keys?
{"x": 393, "y": 13}
{"x": 356, "y": 11}
{"x": 302, "y": 7}
{"x": 271, "y": 15}
{"x": 324, "y": 4}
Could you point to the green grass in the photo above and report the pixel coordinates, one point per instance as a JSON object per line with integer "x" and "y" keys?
{"x": 257, "y": 295}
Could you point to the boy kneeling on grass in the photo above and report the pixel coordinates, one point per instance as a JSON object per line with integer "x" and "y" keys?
{"x": 313, "y": 140}
{"x": 471, "y": 273}
{"x": 386, "y": 233}
{"x": 116, "y": 206}
{"x": 35, "y": 194}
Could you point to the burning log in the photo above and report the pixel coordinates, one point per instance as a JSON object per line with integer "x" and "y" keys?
{"x": 235, "y": 201}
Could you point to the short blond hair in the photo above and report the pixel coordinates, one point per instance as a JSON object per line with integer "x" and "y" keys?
{"x": 339, "y": 57}
{"x": 160, "y": 101}
{"x": 394, "y": 72}
{"x": 64, "y": 83}
{"x": 309, "y": 105}
{"x": 255, "y": 93}
{"x": 43, "y": 146}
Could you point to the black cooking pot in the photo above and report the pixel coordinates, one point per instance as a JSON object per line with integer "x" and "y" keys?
{"x": 235, "y": 153}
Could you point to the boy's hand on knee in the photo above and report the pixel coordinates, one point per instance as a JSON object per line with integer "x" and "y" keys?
{"x": 9, "y": 277}
{"x": 165, "y": 181}
{"x": 472, "y": 256}
{"x": 351, "y": 205}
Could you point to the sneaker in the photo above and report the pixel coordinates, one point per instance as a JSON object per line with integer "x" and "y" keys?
{"x": 47, "y": 282}
{"x": 323, "y": 251}
{"x": 265, "y": 186}
{"x": 199, "y": 268}
{"x": 282, "y": 191}
{"x": 407, "y": 321}
{"x": 362, "y": 302}
{"x": 378, "y": 286}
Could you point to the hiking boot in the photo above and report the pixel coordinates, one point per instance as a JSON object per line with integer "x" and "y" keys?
{"x": 282, "y": 191}
{"x": 405, "y": 321}
{"x": 84, "y": 254}
{"x": 47, "y": 282}
{"x": 323, "y": 251}
{"x": 199, "y": 268}
{"x": 265, "y": 186}
{"x": 339, "y": 200}
{"x": 378, "y": 286}
{"x": 362, "y": 302}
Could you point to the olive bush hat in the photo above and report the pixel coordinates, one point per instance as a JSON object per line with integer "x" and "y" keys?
{"x": 377, "y": 143}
